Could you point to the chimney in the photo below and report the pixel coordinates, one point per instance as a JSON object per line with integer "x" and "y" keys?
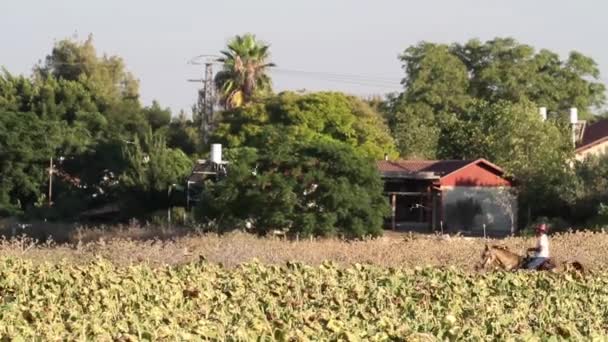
{"x": 573, "y": 123}
{"x": 543, "y": 113}
{"x": 386, "y": 156}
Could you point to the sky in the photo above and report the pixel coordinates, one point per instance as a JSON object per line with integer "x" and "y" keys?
{"x": 343, "y": 45}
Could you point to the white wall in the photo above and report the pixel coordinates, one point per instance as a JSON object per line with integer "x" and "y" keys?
{"x": 495, "y": 206}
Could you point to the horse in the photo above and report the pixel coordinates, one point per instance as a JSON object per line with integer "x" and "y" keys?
{"x": 499, "y": 256}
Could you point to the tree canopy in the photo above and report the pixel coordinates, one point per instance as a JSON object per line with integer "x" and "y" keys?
{"x": 80, "y": 109}
{"x": 315, "y": 186}
{"x": 341, "y": 117}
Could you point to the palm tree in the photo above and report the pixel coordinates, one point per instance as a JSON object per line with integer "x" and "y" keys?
{"x": 244, "y": 73}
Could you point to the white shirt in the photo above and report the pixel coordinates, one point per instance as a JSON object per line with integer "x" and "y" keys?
{"x": 543, "y": 247}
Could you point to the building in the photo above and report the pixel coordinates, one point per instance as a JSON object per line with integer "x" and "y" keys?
{"x": 468, "y": 196}
{"x": 593, "y": 140}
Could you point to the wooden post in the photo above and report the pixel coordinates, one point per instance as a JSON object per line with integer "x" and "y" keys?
{"x": 394, "y": 209}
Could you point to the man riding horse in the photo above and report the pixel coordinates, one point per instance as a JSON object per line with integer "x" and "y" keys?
{"x": 541, "y": 251}
{"x": 499, "y": 256}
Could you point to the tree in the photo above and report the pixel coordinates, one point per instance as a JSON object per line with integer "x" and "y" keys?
{"x": 443, "y": 81}
{"x": 591, "y": 184}
{"x": 414, "y": 128}
{"x": 156, "y": 116}
{"x": 105, "y": 77}
{"x": 534, "y": 152}
{"x": 26, "y": 145}
{"x": 343, "y": 118}
{"x": 316, "y": 186}
{"x": 244, "y": 74}
{"x": 82, "y": 109}
{"x": 435, "y": 77}
{"x": 503, "y": 69}
{"x": 151, "y": 168}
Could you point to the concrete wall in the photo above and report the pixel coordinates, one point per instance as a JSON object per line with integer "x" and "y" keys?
{"x": 599, "y": 149}
{"x": 467, "y": 208}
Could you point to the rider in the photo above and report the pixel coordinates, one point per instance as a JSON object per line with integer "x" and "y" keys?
{"x": 542, "y": 247}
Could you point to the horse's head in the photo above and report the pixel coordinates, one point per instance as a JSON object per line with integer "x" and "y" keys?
{"x": 487, "y": 257}
{"x": 499, "y": 256}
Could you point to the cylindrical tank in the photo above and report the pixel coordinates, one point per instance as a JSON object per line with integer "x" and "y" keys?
{"x": 573, "y": 115}
{"x": 543, "y": 113}
{"x": 216, "y": 153}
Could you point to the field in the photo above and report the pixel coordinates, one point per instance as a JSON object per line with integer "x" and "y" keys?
{"x": 127, "y": 245}
{"x": 399, "y": 287}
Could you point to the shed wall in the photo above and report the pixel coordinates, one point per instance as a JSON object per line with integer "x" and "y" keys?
{"x": 467, "y": 208}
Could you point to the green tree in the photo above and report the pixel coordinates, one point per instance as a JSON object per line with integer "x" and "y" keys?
{"x": 26, "y": 145}
{"x": 156, "y": 116}
{"x": 591, "y": 184}
{"x": 442, "y": 81}
{"x": 534, "y": 152}
{"x": 151, "y": 168}
{"x": 244, "y": 74}
{"x": 341, "y": 117}
{"x": 311, "y": 186}
{"x": 503, "y": 69}
{"x": 435, "y": 77}
{"x": 105, "y": 77}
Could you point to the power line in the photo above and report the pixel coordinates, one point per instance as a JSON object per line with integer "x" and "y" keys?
{"x": 342, "y": 78}
{"x": 340, "y": 75}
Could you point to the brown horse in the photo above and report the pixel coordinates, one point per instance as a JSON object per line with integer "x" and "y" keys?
{"x": 501, "y": 257}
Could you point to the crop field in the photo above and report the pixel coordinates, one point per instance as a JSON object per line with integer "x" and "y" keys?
{"x": 241, "y": 288}
{"x": 204, "y": 301}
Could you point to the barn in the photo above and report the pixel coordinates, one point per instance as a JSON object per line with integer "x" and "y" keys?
{"x": 468, "y": 196}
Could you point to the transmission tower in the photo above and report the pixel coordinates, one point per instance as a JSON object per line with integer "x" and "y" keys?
{"x": 206, "y": 101}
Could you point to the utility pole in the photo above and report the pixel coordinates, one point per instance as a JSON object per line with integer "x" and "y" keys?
{"x": 206, "y": 96}
{"x": 50, "y": 182}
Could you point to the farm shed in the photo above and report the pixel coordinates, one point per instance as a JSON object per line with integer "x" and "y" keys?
{"x": 449, "y": 196}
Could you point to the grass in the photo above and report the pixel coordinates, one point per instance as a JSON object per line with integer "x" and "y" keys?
{"x": 127, "y": 245}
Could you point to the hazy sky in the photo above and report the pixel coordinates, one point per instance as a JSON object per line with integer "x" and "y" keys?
{"x": 359, "y": 38}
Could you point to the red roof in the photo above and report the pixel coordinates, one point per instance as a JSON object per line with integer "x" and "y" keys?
{"x": 439, "y": 167}
{"x": 593, "y": 134}
{"x": 414, "y": 166}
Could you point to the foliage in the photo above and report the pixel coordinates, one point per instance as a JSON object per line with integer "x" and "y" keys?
{"x": 105, "y": 77}
{"x": 533, "y": 152}
{"x": 335, "y": 115}
{"x": 81, "y": 109}
{"x": 156, "y": 116}
{"x": 100, "y": 301}
{"x": 312, "y": 187}
{"x": 27, "y": 143}
{"x": 244, "y": 74}
{"x": 445, "y": 81}
{"x": 591, "y": 189}
{"x": 151, "y": 169}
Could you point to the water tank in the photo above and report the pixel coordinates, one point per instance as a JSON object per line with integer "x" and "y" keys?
{"x": 543, "y": 113}
{"x": 216, "y": 153}
{"x": 573, "y": 115}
